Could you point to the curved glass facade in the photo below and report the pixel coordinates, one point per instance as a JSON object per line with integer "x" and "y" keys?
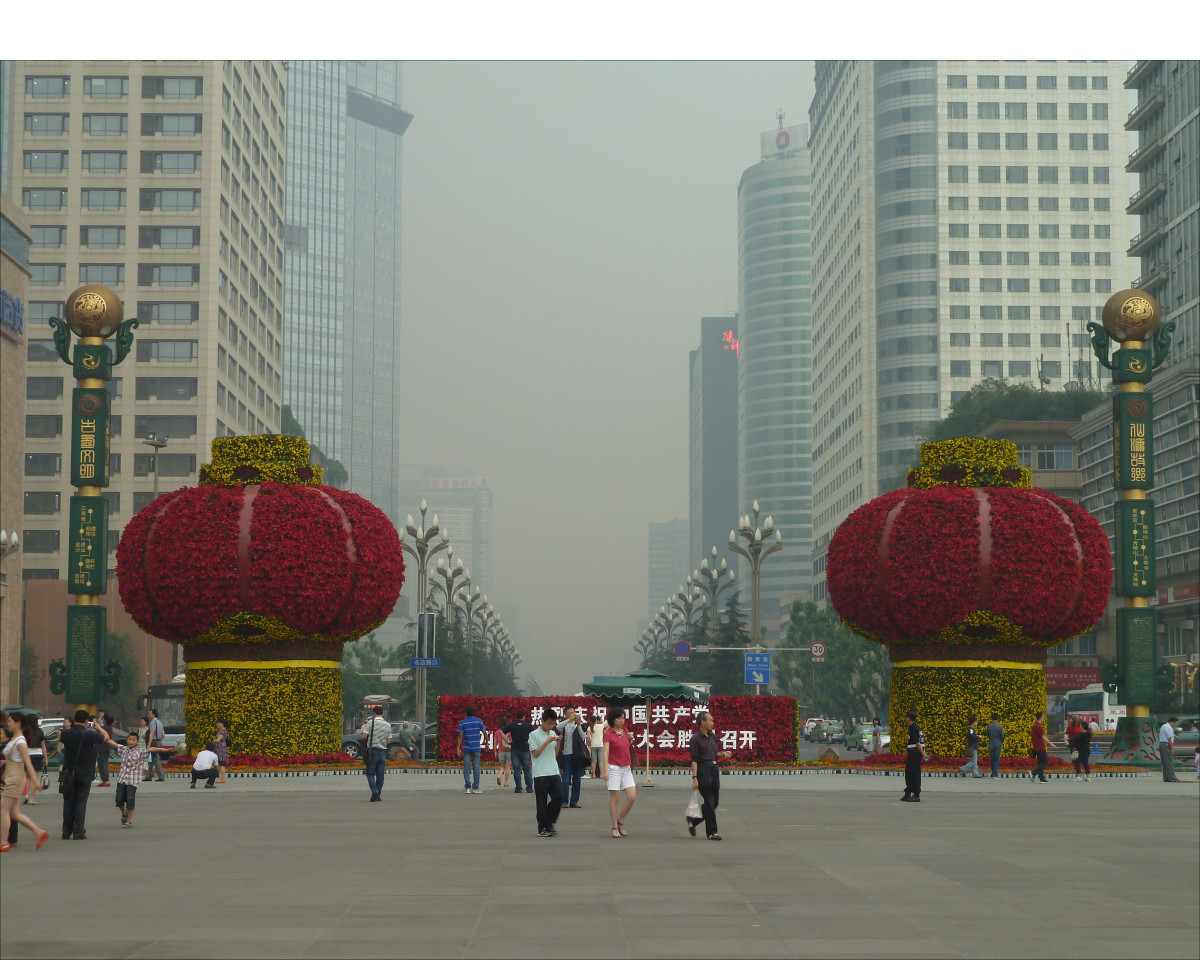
{"x": 906, "y": 258}
{"x": 775, "y": 360}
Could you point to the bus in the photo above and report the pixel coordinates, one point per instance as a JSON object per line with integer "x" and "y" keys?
{"x": 1092, "y": 703}
{"x": 167, "y": 700}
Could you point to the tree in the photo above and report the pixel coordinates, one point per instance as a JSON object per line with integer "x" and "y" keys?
{"x": 363, "y": 661}
{"x": 123, "y": 705}
{"x": 335, "y": 472}
{"x": 852, "y": 680}
{"x": 29, "y": 670}
{"x": 724, "y": 670}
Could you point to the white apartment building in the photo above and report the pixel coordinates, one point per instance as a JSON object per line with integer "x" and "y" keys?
{"x": 967, "y": 223}
{"x": 164, "y": 181}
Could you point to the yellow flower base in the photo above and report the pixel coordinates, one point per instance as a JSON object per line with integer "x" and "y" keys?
{"x": 275, "y": 708}
{"x": 944, "y": 696}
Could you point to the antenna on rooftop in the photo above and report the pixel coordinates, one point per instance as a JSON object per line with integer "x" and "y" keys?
{"x": 779, "y": 115}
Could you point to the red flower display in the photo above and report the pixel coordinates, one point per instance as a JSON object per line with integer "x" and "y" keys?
{"x": 319, "y": 561}
{"x": 771, "y": 720}
{"x": 912, "y": 563}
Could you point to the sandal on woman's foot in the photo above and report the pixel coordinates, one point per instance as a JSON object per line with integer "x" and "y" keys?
{"x": 5, "y": 847}
{"x": 621, "y": 828}
{"x": 42, "y": 838}
{"x": 616, "y": 834}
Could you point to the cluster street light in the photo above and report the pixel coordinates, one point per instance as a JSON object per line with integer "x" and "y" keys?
{"x": 472, "y": 602}
{"x": 421, "y": 549}
{"x": 9, "y": 543}
{"x": 754, "y": 553}
{"x": 708, "y": 579}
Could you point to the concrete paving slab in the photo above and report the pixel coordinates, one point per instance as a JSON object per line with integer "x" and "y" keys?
{"x": 810, "y": 866}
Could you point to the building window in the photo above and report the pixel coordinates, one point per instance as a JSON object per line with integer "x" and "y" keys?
{"x": 106, "y": 124}
{"x": 989, "y": 174}
{"x": 1016, "y": 141}
{"x": 1018, "y": 339}
{"x": 102, "y": 199}
{"x": 1079, "y": 174}
{"x": 991, "y": 312}
{"x": 1081, "y": 286}
{"x": 47, "y": 238}
{"x": 47, "y": 274}
{"x": 168, "y": 238}
{"x": 989, "y": 231}
{"x": 176, "y": 200}
{"x": 1018, "y": 285}
{"x": 960, "y": 285}
{"x": 1079, "y": 204}
{"x": 1018, "y": 231}
{"x": 1100, "y": 174}
{"x": 170, "y": 161}
{"x": 989, "y": 203}
{"x": 1099, "y": 141}
{"x": 987, "y": 81}
{"x": 43, "y": 426}
{"x": 47, "y": 124}
{"x": 1104, "y": 286}
{"x": 102, "y": 238}
{"x": 956, "y": 110}
{"x": 169, "y": 464}
{"x": 1058, "y": 456}
{"x": 52, "y": 161}
{"x": 37, "y": 198}
{"x": 1018, "y": 258}
{"x": 1016, "y": 111}
{"x": 956, "y": 141}
{"x": 165, "y": 388}
{"x": 42, "y": 503}
{"x": 41, "y": 541}
{"x": 991, "y": 340}
{"x": 1047, "y": 141}
{"x": 957, "y": 174}
{"x": 958, "y": 231}
{"x": 956, "y": 80}
{"x": 1050, "y": 285}
{"x": 1047, "y": 174}
{"x": 168, "y": 275}
{"x": 1047, "y": 204}
{"x": 1015, "y": 83}
{"x": 1047, "y": 83}
{"x": 989, "y": 285}
{"x": 169, "y": 313}
{"x": 40, "y": 351}
{"x": 989, "y": 258}
{"x": 1016, "y": 175}
{"x": 1080, "y": 231}
{"x": 1047, "y": 111}
{"x": 1079, "y": 259}
{"x": 54, "y": 88}
{"x": 1019, "y": 312}
{"x": 167, "y": 351}
{"x": 960, "y": 368}
{"x": 1051, "y": 339}
{"x": 171, "y": 124}
{"x": 960, "y": 311}
{"x": 106, "y": 88}
{"x": 988, "y": 110}
{"x": 1076, "y": 83}
{"x": 993, "y": 369}
{"x": 104, "y": 161}
{"x": 172, "y": 88}
{"x": 1048, "y": 231}
{"x": 43, "y": 464}
{"x": 959, "y": 258}
{"x": 960, "y": 340}
{"x": 1077, "y": 141}
{"x": 989, "y": 141}
{"x": 1051, "y": 314}
{"x": 107, "y": 273}
{"x": 1020, "y": 368}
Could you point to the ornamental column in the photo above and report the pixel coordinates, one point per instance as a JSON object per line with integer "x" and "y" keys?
{"x": 93, "y": 313}
{"x": 1131, "y": 318}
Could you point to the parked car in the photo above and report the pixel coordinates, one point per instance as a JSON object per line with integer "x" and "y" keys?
{"x": 835, "y": 732}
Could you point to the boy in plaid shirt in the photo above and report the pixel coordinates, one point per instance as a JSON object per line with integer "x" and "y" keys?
{"x": 129, "y": 776}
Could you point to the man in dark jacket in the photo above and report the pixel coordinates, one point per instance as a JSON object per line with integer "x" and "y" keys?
{"x": 79, "y": 746}
{"x": 912, "y": 762}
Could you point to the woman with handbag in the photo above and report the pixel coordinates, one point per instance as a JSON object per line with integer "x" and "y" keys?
{"x": 19, "y": 776}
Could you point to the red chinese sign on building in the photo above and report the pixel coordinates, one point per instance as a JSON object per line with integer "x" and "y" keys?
{"x": 1071, "y": 678}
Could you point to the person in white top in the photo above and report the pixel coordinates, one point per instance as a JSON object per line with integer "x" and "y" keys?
{"x": 1094, "y": 726}
{"x": 19, "y": 776}
{"x": 1166, "y": 742}
{"x": 205, "y": 768}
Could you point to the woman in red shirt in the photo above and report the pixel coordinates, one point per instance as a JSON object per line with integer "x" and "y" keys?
{"x": 617, "y": 767}
{"x": 1037, "y": 736}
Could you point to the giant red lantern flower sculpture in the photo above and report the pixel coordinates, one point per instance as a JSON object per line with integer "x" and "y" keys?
{"x": 968, "y": 576}
{"x": 262, "y": 575}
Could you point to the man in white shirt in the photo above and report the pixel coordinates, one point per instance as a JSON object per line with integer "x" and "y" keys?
{"x": 154, "y": 738}
{"x": 1093, "y": 726}
{"x": 1166, "y": 742}
{"x": 205, "y": 768}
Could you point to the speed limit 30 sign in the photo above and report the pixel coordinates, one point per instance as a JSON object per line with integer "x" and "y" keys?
{"x": 818, "y": 652}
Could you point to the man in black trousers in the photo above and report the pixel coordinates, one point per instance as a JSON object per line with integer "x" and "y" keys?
{"x": 912, "y": 762}
{"x": 706, "y": 776}
{"x": 78, "y": 764}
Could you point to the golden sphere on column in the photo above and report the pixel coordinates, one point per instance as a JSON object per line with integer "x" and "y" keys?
{"x": 94, "y": 311}
{"x": 1131, "y": 315}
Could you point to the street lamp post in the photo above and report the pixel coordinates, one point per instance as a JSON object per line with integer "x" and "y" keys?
{"x": 472, "y": 603}
{"x": 708, "y": 579}
{"x": 686, "y": 599}
{"x": 754, "y": 553}
{"x": 421, "y": 550}
{"x": 158, "y": 441}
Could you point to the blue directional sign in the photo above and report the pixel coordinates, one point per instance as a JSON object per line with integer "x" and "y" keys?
{"x": 758, "y": 668}
{"x": 425, "y": 662}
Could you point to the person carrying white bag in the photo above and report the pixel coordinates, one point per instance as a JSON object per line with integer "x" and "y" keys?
{"x": 706, "y": 779}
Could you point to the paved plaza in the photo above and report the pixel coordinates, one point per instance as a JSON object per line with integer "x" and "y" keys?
{"x": 811, "y": 866}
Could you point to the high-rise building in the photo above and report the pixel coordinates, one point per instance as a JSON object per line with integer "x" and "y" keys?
{"x": 1166, "y": 162}
{"x": 713, "y": 424}
{"x": 964, "y": 228}
{"x": 342, "y": 253}
{"x": 671, "y": 561}
{"x": 165, "y": 182}
{"x": 775, "y": 359}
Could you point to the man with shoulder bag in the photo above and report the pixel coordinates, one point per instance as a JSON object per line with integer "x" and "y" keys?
{"x": 379, "y": 735}
{"x": 79, "y": 745}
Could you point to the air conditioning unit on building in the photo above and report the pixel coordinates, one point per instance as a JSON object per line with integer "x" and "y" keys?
{"x": 1189, "y": 624}
{"x": 1086, "y": 663}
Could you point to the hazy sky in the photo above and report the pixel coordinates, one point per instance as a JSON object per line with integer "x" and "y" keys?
{"x": 565, "y": 227}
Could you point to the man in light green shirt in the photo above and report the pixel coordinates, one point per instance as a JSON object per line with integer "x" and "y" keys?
{"x": 544, "y": 744}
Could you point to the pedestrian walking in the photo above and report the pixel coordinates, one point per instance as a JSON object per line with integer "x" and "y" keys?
{"x": 616, "y": 766}
{"x": 470, "y": 742}
{"x": 35, "y": 741}
{"x": 596, "y": 740}
{"x": 143, "y": 735}
{"x": 1037, "y": 739}
{"x": 1166, "y": 743}
{"x": 575, "y": 754}
{"x": 379, "y": 734}
{"x": 1081, "y": 748}
{"x": 971, "y": 767}
{"x": 913, "y": 760}
{"x": 221, "y": 748}
{"x": 204, "y": 767}
{"x": 706, "y": 776}
{"x": 995, "y": 734}
{"x": 156, "y": 740}
{"x": 503, "y": 746}
{"x": 518, "y": 730}
{"x": 544, "y": 744}
{"x": 104, "y": 723}
{"x": 19, "y": 777}
{"x": 133, "y": 761}
{"x": 79, "y": 744}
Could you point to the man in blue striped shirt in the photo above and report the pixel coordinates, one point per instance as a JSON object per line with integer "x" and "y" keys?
{"x": 470, "y": 742}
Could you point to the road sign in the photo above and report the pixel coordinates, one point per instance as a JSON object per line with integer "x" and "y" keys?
{"x": 758, "y": 668}
{"x": 390, "y": 674}
{"x": 425, "y": 662}
{"x": 818, "y": 652}
{"x": 683, "y": 648}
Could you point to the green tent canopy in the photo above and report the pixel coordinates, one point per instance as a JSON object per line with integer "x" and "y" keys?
{"x": 643, "y": 686}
